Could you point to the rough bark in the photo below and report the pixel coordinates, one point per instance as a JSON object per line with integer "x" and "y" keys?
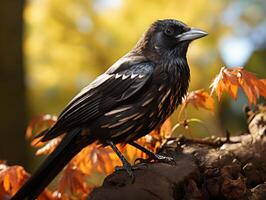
{"x": 210, "y": 168}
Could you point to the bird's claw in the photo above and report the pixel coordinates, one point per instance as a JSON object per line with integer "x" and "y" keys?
{"x": 156, "y": 158}
{"x": 128, "y": 169}
{"x": 161, "y": 158}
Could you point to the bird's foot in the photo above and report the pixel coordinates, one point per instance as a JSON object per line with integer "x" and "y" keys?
{"x": 128, "y": 168}
{"x": 151, "y": 156}
{"x": 161, "y": 158}
{"x": 156, "y": 158}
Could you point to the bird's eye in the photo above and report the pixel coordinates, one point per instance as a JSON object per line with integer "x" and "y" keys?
{"x": 169, "y": 31}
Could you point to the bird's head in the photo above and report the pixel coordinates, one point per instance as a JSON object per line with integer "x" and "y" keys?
{"x": 168, "y": 36}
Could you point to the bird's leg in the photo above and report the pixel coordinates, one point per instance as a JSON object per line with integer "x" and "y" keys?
{"x": 126, "y": 164}
{"x": 151, "y": 155}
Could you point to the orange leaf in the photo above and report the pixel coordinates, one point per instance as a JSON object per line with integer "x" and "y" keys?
{"x": 73, "y": 182}
{"x": 46, "y": 195}
{"x": 200, "y": 99}
{"x": 230, "y": 79}
{"x": 133, "y": 153}
{"x": 49, "y": 146}
{"x": 262, "y": 87}
{"x": 97, "y": 158}
{"x": 12, "y": 178}
{"x": 166, "y": 129}
{"x": 39, "y": 123}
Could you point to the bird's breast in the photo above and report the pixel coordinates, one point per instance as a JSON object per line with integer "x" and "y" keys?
{"x": 172, "y": 85}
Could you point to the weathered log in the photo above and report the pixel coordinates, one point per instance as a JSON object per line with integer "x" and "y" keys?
{"x": 202, "y": 170}
{"x": 210, "y": 168}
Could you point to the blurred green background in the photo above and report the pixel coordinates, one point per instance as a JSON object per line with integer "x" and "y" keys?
{"x": 50, "y": 49}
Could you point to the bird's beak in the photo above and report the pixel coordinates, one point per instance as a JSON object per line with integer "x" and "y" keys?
{"x": 192, "y": 34}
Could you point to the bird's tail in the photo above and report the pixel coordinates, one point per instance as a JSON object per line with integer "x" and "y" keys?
{"x": 53, "y": 164}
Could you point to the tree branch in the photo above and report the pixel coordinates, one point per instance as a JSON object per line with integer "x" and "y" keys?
{"x": 209, "y": 168}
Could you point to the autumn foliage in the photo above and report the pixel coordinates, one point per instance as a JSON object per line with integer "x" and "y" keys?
{"x": 231, "y": 79}
{"x": 76, "y": 180}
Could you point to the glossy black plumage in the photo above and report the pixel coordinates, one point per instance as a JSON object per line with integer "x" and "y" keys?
{"x": 134, "y": 96}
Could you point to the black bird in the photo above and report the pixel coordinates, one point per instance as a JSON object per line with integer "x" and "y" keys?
{"x": 133, "y": 97}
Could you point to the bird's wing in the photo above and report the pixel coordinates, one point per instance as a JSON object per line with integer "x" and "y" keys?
{"x": 103, "y": 94}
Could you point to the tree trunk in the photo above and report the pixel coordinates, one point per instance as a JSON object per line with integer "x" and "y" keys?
{"x": 12, "y": 97}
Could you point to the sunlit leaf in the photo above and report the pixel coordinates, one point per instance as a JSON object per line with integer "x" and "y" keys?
{"x": 73, "y": 182}
{"x": 49, "y": 146}
{"x": 199, "y": 99}
{"x": 12, "y": 178}
{"x": 97, "y": 158}
{"x": 46, "y": 195}
{"x": 36, "y": 125}
{"x": 39, "y": 123}
{"x": 230, "y": 79}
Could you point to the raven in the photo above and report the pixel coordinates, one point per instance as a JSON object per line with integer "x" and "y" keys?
{"x": 133, "y": 97}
